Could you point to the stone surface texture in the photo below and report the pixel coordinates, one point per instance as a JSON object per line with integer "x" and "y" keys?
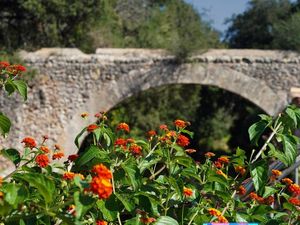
{"x": 69, "y": 82}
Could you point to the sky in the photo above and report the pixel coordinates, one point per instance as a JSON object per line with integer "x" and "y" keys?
{"x": 216, "y": 11}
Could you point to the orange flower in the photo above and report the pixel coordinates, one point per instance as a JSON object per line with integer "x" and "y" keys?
{"x": 130, "y": 140}
{"x": 151, "y": 133}
{"x": 241, "y": 190}
{"x": 187, "y": 192}
{"x": 218, "y": 164}
{"x": 1, "y": 181}
{"x": 136, "y": 149}
{"x": 91, "y": 127}
{"x": 80, "y": 176}
{"x": 209, "y": 154}
{"x": 101, "y": 222}
{"x": 182, "y": 140}
{"x": 220, "y": 172}
{"x": 101, "y": 187}
{"x": 163, "y": 127}
{"x": 287, "y": 181}
{"x": 294, "y": 188}
{"x": 102, "y": 171}
{"x": 120, "y": 142}
{"x": 180, "y": 123}
{"x": 68, "y": 176}
{"x": 190, "y": 151}
{"x": 29, "y": 142}
{"x": 253, "y": 196}
{"x": 222, "y": 219}
{"x": 58, "y": 155}
{"x": 45, "y": 149}
{"x": 276, "y": 173}
{"x": 240, "y": 169}
{"x": 84, "y": 115}
{"x": 269, "y": 200}
{"x": 214, "y": 212}
{"x": 42, "y": 160}
{"x": 1, "y": 195}
{"x": 223, "y": 160}
{"x": 123, "y": 126}
{"x": 294, "y": 201}
{"x": 147, "y": 220}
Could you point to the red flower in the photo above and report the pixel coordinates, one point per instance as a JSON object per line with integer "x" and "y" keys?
{"x": 294, "y": 188}
{"x": 101, "y": 222}
{"x": 71, "y": 210}
{"x": 294, "y": 201}
{"x": 58, "y": 155}
{"x": 123, "y": 126}
{"x": 29, "y": 142}
{"x": 222, "y": 219}
{"x": 180, "y": 123}
{"x": 253, "y": 196}
{"x": 163, "y": 127}
{"x": 218, "y": 164}
{"x": 42, "y": 160}
{"x": 68, "y": 176}
{"x": 92, "y": 127}
{"x": 72, "y": 158}
{"x": 4, "y": 64}
{"x": 102, "y": 171}
{"x": 130, "y": 140}
{"x": 120, "y": 142}
{"x": 187, "y": 192}
{"x": 101, "y": 187}
{"x": 182, "y": 140}
{"x": 241, "y": 190}
{"x": 136, "y": 149}
{"x": 20, "y": 68}
{"x": 45, "y": 149}
{"x": 269, "y": 200}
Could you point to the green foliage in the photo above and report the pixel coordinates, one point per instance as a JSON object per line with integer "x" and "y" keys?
{"x": 135, "y": 181}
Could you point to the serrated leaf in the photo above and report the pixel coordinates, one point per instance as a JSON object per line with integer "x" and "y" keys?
{"x": 91, "y": 153}
{"x": 78, "y": 136}
{"x": 5, "y": 124}
{"x": 147, "y": 163}
{"x": 255, "y": 131}
{"x": 108, "y": 214}
{"x": 259, "y": 174}
{"x": 21, "y": 87}
{"x": 291, "y": 113}
{"x": 9, "y": 87}
{"x": 269, "y": 191}
{"x": 132, "y": 172}
{"x": 126, "y": 201}
{"x": 11, "y": 154}
{"x": 82, "y": 203}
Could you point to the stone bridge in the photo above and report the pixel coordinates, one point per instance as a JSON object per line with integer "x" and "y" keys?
{"x": 69, "y": 82}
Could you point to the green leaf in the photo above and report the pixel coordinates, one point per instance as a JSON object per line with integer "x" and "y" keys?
{"x": 44, "y": 185}
{"x": 82, "y": 203}
{"x": 5, "y": 124}
{"x": 256, "y": 130}
{"x": 11, "y": 154}
{"x": 146, "y": 163}
{"x": 14, "y": 194}
{"x": 107, "y": 139}
{"x": 273, "y": 222}
{"x": 259, "y": 174}
{"x": 290, "y": 148}
{"x": 269, "y": 191}
{"x": 108, "y": 214}
{"x": 78, "y": 136}
{"x": 291, "y": 113}
{"x": 97, "y": 132}
{"x": 89, "y": 154}
{"x": 166, "y": 220}
{"x": 132, "y": 172}
{"x": 9, "y": 86}
{"x": 277, "y": 154}
{"x": 184, "y": 161}
{"x": 21, "y": 87}
{"x": 134, "y": 221}
{"x": 126, "y": 201}
{"x": 191, "y": 134}
{"x": 22, "y": 222}
{"x": 174, "y": 183}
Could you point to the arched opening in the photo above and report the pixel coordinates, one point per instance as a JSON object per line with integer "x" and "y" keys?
{"x": 219, "y": 118}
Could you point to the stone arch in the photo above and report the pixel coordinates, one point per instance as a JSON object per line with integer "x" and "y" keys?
{"x": 113, "y": 92}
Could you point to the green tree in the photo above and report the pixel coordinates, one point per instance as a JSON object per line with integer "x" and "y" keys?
{"x": 31, "y": 24}
{"x": 255, "y": 27}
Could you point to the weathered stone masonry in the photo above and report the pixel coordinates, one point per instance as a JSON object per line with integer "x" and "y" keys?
{"x": 69, "y": 82}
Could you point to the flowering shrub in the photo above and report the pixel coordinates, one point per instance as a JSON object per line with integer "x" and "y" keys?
{"x": 122, "y": 180}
